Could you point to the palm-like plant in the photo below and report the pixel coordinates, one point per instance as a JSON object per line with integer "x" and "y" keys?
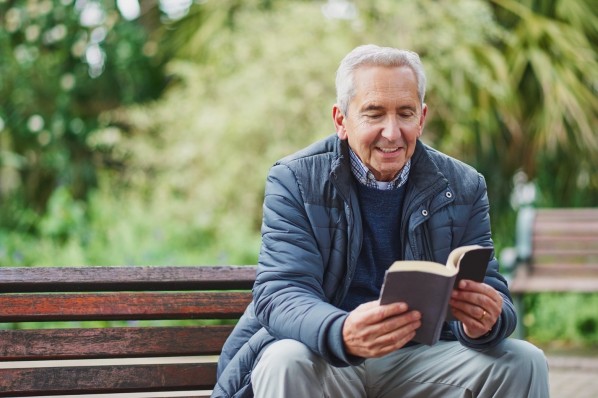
{"x": 553, "y": 61}
{"x": 511, "y": 86}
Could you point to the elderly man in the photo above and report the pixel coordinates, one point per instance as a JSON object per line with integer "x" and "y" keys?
{"x": 336, "y": 215}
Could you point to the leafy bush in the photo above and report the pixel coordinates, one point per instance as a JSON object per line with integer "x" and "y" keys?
{"x": 562, "y": 319}
{"x": 122, "y": 228}
{"x": 62, "y": 63}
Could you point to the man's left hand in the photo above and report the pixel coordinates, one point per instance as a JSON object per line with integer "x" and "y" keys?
{"x": 477, "y": 306}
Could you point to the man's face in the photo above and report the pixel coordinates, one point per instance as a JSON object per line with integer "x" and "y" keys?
{"x": 384, "y": 119}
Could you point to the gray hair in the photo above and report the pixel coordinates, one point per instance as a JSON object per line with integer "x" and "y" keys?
{"x": 372, "y": 55}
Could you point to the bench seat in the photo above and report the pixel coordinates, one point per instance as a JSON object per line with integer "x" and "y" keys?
{"x": 143, "y": 355}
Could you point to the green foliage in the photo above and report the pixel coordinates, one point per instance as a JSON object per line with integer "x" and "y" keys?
{"x": 562, "y": 319}
{"x": 93, "y": 173}
{"x": 219, "y": 128}
{"x": 120, "y": 228}
{"x": 553, "y": 59}
{"x": 65, "y": 216}
{"x": 62, "y": 63}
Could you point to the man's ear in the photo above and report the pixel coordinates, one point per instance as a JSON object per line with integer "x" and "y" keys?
{"x": 422, "y": 119}
{"x": 339, "y": 122}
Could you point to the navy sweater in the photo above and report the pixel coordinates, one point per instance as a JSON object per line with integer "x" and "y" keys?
{"x": 381, "y": 220}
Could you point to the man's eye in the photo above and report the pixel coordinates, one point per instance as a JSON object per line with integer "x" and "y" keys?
{"x": 373, "y": 116}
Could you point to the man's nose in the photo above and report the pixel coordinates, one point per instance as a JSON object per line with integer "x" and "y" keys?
{"x": 392, "y": 129}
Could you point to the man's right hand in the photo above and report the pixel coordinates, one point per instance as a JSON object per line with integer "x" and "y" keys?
{"x": 373, "y": 330}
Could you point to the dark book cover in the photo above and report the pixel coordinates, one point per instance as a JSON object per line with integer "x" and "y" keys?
{"x": 426, "y": 286}
{"x": 423, "y": 292}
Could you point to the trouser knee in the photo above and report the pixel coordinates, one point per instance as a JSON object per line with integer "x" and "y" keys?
{"x": 285, "y": 356}
{"x": 526, "y": 354}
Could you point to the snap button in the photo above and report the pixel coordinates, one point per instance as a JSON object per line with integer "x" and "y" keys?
{"x": 449, "y": 194}
{"x": 425, "y": 213}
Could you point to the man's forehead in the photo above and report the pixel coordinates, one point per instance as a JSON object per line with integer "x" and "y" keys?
{"x": 385, "y": 78}
{"x": 375, "y": 85}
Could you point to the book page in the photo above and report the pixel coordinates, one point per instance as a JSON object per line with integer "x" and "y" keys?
{"x": 422, "y": 266}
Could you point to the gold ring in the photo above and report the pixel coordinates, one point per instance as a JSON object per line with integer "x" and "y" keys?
{"x": 483, "y": 316}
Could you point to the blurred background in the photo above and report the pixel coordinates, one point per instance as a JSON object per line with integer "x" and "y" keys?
{"x": 141, "y": 132}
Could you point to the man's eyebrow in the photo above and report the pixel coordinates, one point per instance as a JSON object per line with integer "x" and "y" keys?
{"x": 376, "y": 107}
{"x": 372, "y": 107}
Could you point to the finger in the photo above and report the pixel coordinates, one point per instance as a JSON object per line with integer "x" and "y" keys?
{"x": 476, "y": 316}
{"x": 396, "y": 337}
{"x": 371, "y": 320}
{"x": 391, "y": 329}
{"x": 372, "y": 312}
{"x": 481, "y": 288}
{"x": 475, "y": 307}
{"x": 472, "y": 286}
{"x": 390, "y": 325}
{"x": 487, "y": 299}
{"x": 373, "y": 340}
{"x": 473, "y": 327}
{"x": 394, "y": 344}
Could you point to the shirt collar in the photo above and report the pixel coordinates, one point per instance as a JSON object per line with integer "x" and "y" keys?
{"x": 366, "y": 177}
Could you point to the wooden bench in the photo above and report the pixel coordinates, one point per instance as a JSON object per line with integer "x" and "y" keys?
{"x": 131, "y": 358}
{"x": 556, "y": 251}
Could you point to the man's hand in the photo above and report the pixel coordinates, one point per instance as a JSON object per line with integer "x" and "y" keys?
{"x": 477, "y": 306}
{"x": 373, "y": 330}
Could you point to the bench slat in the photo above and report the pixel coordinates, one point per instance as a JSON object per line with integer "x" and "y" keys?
{"x": 577, "y": 214}
{"x": 126, "y": 342}
{"x": 566, "y": 229}
{"x": 24, "y": 307}
{"x": 562, "y": 270}
{"x": 541, "y": 243}
{"x": 555, "y": 257}
{"x": 106, "y": 379}
{"x": 538, "y": 284}
{"x": 96, "y": 279}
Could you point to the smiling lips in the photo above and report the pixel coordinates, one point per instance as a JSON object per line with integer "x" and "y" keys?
{"x": 389, "y": 150}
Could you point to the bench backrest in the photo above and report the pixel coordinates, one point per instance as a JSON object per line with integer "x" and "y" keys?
{"x": 123, "y": 359}
{"x": 559, "y": 248}
{"x": 566, "y": 238}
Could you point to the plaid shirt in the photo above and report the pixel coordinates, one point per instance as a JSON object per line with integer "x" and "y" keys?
{"x": 366, "y": 177}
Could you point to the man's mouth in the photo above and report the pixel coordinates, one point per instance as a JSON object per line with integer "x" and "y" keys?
{"x": 389, "y": 150}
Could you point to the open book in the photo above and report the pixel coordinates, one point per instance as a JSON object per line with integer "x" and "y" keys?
{"x": 426, "y": 286}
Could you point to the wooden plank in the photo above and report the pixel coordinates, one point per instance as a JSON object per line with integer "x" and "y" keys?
{"x": 577, "y": 214}
{"x": 26, "y": 307}
{"x": 554, "y": 279}
{"x": 567, "y": 242}
{"x": 543, "y": 258}
{"x": 106, "y": 379}
{"x": 560, "y": 228}
{"x": 568, "y": 212}
{"x": 111, "y": 342}
{"x": 87, "y": 279}
{"x": 565, "y": 270}
{"x": 566, "y": 251}
{"x": 539, "y": 284}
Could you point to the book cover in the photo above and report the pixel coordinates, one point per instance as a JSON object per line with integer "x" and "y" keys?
{"x": 426, "y": 286}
